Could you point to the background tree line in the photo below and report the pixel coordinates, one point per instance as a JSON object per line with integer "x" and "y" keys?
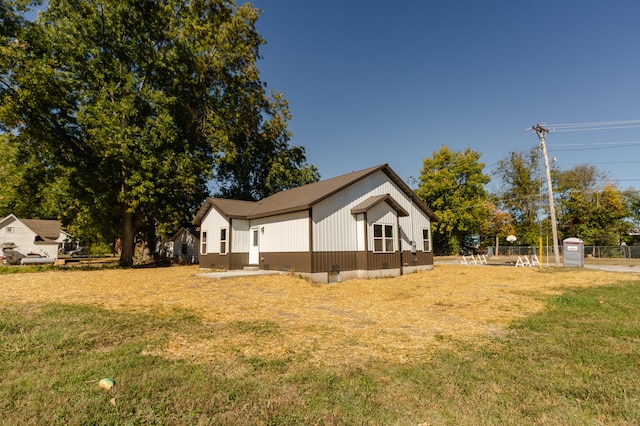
{"x": 588, "y": 206}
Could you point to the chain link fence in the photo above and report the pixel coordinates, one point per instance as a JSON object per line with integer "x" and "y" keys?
{"x": 620, "y": 252}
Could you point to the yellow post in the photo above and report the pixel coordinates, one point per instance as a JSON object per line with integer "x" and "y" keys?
{"x": 540, "y": 263}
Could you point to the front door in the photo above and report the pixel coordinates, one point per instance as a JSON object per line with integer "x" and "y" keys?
{"x": 254, "y": 247}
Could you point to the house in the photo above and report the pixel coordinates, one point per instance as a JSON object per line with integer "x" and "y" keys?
{"x": 184, "y": 244}
{"x": 363, "y": 224}
{"x": 30, "y": 238}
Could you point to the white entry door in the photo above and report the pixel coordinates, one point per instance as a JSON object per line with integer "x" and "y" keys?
{"x": 254, "y": 247}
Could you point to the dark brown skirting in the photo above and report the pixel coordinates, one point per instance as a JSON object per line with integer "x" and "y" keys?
{"x": 319, "y": 262}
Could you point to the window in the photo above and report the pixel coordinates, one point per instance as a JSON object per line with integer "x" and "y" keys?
{"x": 184, "y": 249}
{"x": 223, "y": 240}
{"x": 426, "y": 241}
{"x": 9, "y": 229}
{"x": 203, "y": 242}
{"x": 382, "y": 238}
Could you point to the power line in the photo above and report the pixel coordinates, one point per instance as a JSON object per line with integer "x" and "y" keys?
{"x": 612, "y": 145}
{"x": 594, "y": 125}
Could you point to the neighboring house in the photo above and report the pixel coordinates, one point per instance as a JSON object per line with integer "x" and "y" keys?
{"x": 22, "y": 238}
{"x": 184, "y": 244}
{"x": 363, "y": 224}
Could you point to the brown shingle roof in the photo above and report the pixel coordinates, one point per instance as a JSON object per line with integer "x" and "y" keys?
{"x": 303, "y": 197}
{"x": 229, "y": 208}
{"x": 47, "y": 230}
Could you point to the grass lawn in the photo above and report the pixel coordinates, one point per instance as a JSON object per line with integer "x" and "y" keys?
{"x": 456, "y": 345}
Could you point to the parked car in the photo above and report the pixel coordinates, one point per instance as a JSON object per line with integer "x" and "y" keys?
{"x": 80, "y": 252}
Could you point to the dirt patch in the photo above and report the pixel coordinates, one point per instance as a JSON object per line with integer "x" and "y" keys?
{"x": 281, "y": 317}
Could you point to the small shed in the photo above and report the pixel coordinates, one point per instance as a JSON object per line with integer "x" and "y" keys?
{"x": 183, "y": 245}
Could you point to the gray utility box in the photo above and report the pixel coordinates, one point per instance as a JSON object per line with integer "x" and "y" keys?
{"x": 573, "y": 252}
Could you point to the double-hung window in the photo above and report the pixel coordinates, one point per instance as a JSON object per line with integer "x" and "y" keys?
{"x": 426, "y": 240}
{"x": 203, "y": 242}
{"x": 382, "y": 238}
{"x": 223, "y": 240}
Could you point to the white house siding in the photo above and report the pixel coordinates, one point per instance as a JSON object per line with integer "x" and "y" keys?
{"x": 240, "y": 235}
{"x": 24, "y": 239}
{"x": 335, "y": 228}
{"x": 412, "y": 227}
{"x": 284, "y": 233}
{"x": 211, "y": 225}
{"x": 383, "y": 214}
{"x": 183, "y": 237}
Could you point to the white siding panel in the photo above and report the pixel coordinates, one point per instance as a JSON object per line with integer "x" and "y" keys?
{"x": 239, "y": 236}
{"x": 412, "y": 227}
{"x": 383, "y": 214}
{"x": 360, "y": 232}
{"x": 284, "y": 233}
{"x": 335, "y": 228}
{"x": 211, "y": 224}
{"x": 25, "y": 240}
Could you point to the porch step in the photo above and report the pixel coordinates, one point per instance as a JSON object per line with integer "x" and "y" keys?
{"x": 250, "y": 268}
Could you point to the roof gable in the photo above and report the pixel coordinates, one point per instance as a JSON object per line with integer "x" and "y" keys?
{"x": 303, "y": 197}
{"x": 191, "y": 230}
{"x": 47, "y": 230}
{"x": 371, "y": 202}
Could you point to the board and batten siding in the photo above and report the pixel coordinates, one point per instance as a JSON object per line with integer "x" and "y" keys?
{"x": 336, "y": 229}
{"x": 412, "y": 227}
{"x": 239, "y": 236}
{"x": 284, "y": 233}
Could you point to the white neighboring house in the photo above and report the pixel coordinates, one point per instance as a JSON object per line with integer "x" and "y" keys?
{"x": 30, "y": 238}
{"x": 184, "y": 244}
{"x": 363, "y": 224}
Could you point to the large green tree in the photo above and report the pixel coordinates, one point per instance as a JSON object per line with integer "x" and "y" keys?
{"x": 632, "y": 200}
{"x": 138, "y": 104}
{"x": 452, "y": 185}
{"x": 588, "y": 210}
{"x": 519, "y": 193}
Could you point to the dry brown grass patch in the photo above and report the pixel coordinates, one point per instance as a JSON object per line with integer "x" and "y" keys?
{"x": 282, "y": 317}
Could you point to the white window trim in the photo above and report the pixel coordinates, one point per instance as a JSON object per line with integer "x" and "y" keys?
{"x": 203, "y": 242}
{"x": 225, "y": 241}
{"x": 428, "y": 240}
{"x": 384, "y": 238}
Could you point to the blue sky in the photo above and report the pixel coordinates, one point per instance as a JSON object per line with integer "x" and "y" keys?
{"x": 372, "y": 82}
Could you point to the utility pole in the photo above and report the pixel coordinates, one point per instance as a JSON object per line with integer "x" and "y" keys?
{"x": 542, "y": 132}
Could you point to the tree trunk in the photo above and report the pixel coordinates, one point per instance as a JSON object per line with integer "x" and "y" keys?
{"x": 497, "y": 245}
{"x": 128, "y": 239}
{"x": 150, "y": 243}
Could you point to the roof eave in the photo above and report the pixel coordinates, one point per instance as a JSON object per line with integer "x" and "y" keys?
{"x": 279, "y": 212}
